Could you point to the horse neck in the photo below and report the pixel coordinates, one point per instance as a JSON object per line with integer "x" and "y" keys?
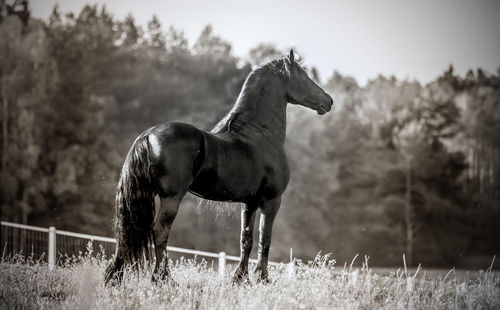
{"x": 260, "y": 113}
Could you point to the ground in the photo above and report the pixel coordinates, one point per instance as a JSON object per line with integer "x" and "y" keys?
{"x": 78, "y": 284}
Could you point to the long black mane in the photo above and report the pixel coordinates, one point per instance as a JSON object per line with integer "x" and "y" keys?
{"x": 249, "y": 100}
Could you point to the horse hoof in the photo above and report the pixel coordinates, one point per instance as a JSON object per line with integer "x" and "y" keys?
{"x": 111, "y": 282}
{"x": 113, "y": 278}
{"x": 240, "y": 278}
{"x": 262, "y": 276}
{"x": 263, "y": 280}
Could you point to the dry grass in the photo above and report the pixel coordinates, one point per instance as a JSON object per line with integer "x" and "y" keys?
{"x": 78, "y": 284}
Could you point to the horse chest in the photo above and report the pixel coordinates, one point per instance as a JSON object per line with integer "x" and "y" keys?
{"x": 276, "y": 174}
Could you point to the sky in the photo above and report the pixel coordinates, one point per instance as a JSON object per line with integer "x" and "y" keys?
{"x": 408, "y": 39}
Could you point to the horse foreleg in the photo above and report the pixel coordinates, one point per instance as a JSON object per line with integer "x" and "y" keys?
{"x": 161, "y": 229}
{"x": 246, "y": 241}
{"x": 269, "y": 208}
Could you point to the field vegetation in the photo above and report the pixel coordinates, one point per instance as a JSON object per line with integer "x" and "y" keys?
{"x": 319, "y": 284}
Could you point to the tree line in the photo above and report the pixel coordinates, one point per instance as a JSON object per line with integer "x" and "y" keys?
{"x": 398, "y": 167}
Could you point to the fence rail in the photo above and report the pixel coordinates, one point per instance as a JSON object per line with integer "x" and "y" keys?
{"x": 49, "y": 242}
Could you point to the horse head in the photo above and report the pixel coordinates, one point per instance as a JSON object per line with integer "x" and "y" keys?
{"x": 302, "y": 90}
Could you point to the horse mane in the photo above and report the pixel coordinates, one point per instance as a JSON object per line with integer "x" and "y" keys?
{"x": 250, "y": 98}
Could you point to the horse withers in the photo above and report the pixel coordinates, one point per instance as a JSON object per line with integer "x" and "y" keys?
{"x": 242, "y": 160}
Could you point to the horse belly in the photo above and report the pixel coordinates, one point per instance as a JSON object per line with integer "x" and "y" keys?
{"x": 233, "y": 180}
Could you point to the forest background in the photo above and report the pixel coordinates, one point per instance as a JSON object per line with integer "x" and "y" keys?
{"x": 398, "y": 167}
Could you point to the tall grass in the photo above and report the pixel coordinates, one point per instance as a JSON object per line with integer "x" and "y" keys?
{"x": 78, "y": 284}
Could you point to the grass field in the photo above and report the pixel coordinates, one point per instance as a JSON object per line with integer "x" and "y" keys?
{"x": 78, "y": 284}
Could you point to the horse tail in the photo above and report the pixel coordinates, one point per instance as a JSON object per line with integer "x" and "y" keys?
{"x": 134, "y": 210}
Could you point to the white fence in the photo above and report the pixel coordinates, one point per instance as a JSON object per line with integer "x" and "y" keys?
{"x": 38, "y": 240}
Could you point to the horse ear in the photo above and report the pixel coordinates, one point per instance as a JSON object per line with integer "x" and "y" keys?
{"x": 291, "y": 56}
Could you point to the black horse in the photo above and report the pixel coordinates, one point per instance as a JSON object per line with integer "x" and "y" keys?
{"x": 241, "y": 160}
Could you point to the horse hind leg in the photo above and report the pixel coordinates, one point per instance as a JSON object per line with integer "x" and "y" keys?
{"x": 177, "y": 161}
{"x": 114, "y": 271}
{"x": 167, "y": 212}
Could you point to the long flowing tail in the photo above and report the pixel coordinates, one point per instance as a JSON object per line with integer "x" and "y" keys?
{"x": 134, "y": 210}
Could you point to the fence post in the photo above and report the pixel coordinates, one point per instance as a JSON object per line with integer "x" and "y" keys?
{"x": 222, "y": 265}
{"x": 52, "y": 247}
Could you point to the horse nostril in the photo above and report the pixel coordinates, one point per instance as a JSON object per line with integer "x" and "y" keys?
{"x": 331, "y": 102}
